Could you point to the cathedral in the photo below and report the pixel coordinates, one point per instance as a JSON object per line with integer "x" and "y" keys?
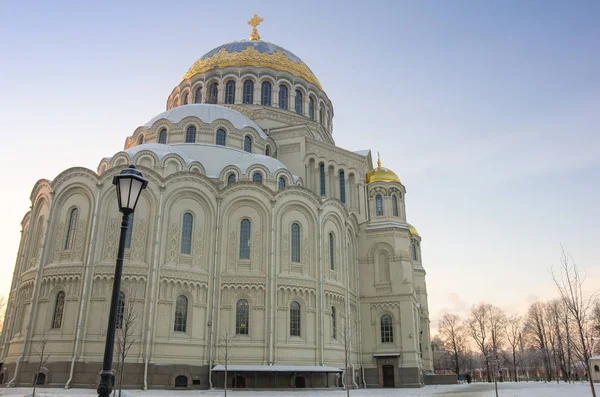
{"x": 258, "y": 244}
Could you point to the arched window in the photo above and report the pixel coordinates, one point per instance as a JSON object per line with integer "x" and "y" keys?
{"x": 198, "y": 97}
{"x": 248, "y": 144}
{"x": 331, "y": 251}
{"x": 181, "y": 311}
{"x": 283, "y": 97}
{"x": 120, "y": 309}
{"x": 129, "y": 232}
{"x": 245, "y": 229}
{"x": 295, "y": 242}
{"x": 241, "y": 317}
{"x": 185, "y": 99}
{"x": 71, "y": 228}
{"x": 181, "y": 381}
{"x": 298, "y": 102}
{"x": 257, "y": 177}
{"x": 230, "y": 92}
{"x": 231, "y": 179}
{"x": 190, "y": 135}
{"x": 333, "y": 323}
{"x": 321, "y": 114}
{"x": 213, "y": 93}
{"x": 414, "y": 251}
{"x": 248, "y": 92}
{"x": 186, "y": 233}
{"x": 596, "y": 368}
{"x": 221, "y": 137}
{"x": 59, "y": 308}
{"x": 322, "y": 178}
{"x": 311, "y": 108}
{"x": 281, "y": 182}
{"x": 394, "y": 205}
{"x": 268, "y": 151}
{"x": 379, "y": 205}
{"x": 162, "y": 136}
{"x": 265, "y": 98}
{"x": 40, "y": 379}
{"x": 141, "y": 140}
{"x": 387, "y": 332}
{"x": 342, "y": 187}
{"x": 295, "y": 319}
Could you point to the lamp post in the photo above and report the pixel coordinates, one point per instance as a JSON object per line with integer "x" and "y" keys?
{"x": 130, "y": 183}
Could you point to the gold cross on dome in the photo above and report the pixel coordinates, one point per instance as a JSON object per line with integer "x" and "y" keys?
{"x": 254, "y": 22}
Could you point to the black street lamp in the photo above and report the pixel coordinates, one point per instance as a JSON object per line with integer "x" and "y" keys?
{"x": 130, "y": 183}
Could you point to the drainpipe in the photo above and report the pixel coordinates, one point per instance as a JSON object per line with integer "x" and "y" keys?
{"x": 362, "y": 368}
{"x": 154, "y": 283}
{"x": 36, "y": 284}
{"x": 84, "y": 290}
{"x": 273, "y": 292}
{"x": 212, "y": 312}
{"x": 348, "y": 313}
{"x": 319, "y": 232}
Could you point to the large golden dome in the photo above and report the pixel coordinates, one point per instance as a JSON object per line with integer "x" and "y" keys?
{"x": 382, "y": 174}
{"x": 412, "y": 230}
{"x": 253, "y": 52}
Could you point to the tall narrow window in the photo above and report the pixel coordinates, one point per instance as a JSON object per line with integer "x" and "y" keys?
{"x": 120, "y": 309}
{"x": 379, "y": 205}
{"x": 321, "y": 114}
{"x": 248, "y": 144}
{"x": 342, "y": 187}
{"x": 71, "y": 228}
{"x": 281, "y": 183}
{"x": 298, "y": 102}
{"x": 311, "y": 108}
{"x": 268, "y": 151}
{"x": 331, "y": 251}
{"x": 230, "y": 92}
{"x": 283, "y": 97}
{"x": 333, "y": 323}
{"x": 248, "y": 96}
{"x": 245, "y": 229}
{"x": 129, "y": 232}
{"x": 213, "y": 93}
{"x": 394, "y": 205}
{"x": 295, "y": 242}
{"x": 141, "y": 140}
{"x": 198, "y": 97}
{"x": 190, "y": 135}
{"x": 257, "y": 177}
{"x": 186, "y": 233}
{"x": 295, "y": 319}
{"x": 414, "y": 251}
{"x": 221, "y": 137}
{"x": 59, "y": 308}
{"x": 181, "y": 311}
{"x": 162, "y": 136}
{"x": 265, "y": 94}
{"x": 387, "y": 332}
{"x": 185, "y": 99}
{"x": 322, "y": 178}
{"x": 231, "y": 179}
{"x": 241, "y": 317}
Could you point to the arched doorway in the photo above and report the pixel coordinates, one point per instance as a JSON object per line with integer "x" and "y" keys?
{"x": 300, "y": 382}
{"x": 181, "y": 381}
{"x": 388, "y": 376}
{"x": 41, "y": 379}
{"x": 239, "y": 382}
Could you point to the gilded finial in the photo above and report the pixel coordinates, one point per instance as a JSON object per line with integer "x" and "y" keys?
{"x": 254, "y": 22}
{"x": 378, "y": 160}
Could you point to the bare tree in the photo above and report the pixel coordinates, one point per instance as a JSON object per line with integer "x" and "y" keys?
{"x": 344, "y": 335}
{"x": 224, "y": 353}
{"x": 42, "y": 357}
{"x": 570, "y": 285}
{"x": 452, "y": 335}
{"x": 477, "y": 328}
{"x": 514, "y": 327}
{"x": 127, "y": 320}
{"x": 536, "y": 329}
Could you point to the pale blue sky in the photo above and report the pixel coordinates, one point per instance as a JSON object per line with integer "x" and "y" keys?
{"x": 487, "y": 110}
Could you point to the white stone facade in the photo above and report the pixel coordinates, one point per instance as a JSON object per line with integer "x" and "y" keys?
{"x": 349, "y": 264}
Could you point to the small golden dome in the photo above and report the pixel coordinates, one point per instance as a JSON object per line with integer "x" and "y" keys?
{"x": 382, "y": 174}
{"x": 412, "y": 230}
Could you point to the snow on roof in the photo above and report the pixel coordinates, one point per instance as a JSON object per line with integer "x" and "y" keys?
{"x": 212, "y": 157}
{"x": 595, "y": 358}
{"x": 276, "y": 368}
{"x": 363, "y": 153}
{"x": 207, "y": 113}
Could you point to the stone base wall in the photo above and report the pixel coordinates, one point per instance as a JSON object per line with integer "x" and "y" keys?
{"x": 441, "y": 380}
{"x": 403, "y": 377}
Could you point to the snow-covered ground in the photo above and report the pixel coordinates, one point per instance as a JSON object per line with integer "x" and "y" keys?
{"x": 472, "y": 390}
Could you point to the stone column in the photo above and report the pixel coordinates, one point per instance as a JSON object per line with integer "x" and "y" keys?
{"x": 257, "y": 94}
{"x": 220, "y": 96}
{"x": 275, "y": 97}
{"x": 239, "y": 86}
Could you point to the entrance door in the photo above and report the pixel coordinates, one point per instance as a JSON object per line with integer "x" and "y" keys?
{"x": 239, "y": 382}
{"x": 388, "y": 376}
{"x": 300, "y": 382}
